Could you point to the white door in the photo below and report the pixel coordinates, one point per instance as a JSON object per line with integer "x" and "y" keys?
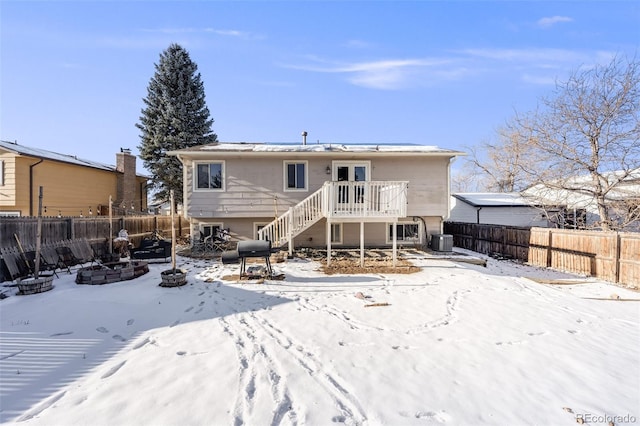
{"x": 349, "y": 173}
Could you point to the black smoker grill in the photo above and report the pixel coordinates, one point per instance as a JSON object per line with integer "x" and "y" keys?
{"x": 246, "y": 249}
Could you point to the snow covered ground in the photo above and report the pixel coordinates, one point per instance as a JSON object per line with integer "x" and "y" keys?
{"x": 456, "y": 343}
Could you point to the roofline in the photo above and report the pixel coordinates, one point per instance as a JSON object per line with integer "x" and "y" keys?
{"x": 462, "y": 198}
{"x": 96, "y": 165}
{"x": 214, "y": 153}
{"x": 231, "y": 149}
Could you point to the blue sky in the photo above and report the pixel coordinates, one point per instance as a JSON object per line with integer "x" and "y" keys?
{"x": 73, "y": 74}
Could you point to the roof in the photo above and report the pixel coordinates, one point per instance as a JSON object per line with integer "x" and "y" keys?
{"x": 244, "y": 147}
{"x": 55, "y": 156}
{"x": 494, "y": 199}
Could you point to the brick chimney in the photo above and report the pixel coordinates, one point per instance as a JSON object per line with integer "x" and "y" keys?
{"x": 127, "y": 193}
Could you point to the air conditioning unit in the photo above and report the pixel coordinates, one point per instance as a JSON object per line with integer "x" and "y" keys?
{"x": 442, "y": 242}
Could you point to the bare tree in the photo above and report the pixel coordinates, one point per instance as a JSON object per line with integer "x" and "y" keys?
{"x": 503, "y": 165}
{"x": 581, "y": 147}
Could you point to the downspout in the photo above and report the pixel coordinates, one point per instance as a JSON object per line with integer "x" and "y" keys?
{"x": 478, "y": 215}
{"x": 31, "y": 185}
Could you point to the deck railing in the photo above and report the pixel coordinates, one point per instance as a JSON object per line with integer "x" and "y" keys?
{"x": 366, "y": 201}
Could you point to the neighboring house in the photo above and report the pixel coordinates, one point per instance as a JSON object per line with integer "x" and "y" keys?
{"x": 71, "y": 186}
{"x": 318, "y": 195}
{"x": 575, "y": 194}
{"x": 509, "y": 209}
{"x": 163, "y": 208}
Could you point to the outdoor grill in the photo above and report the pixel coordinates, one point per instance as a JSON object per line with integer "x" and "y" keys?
{"x": 247, "y": 249}
{"x": 254, "y": 248}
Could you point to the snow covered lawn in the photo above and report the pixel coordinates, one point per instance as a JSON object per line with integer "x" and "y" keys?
{"x": 457, "y": 343}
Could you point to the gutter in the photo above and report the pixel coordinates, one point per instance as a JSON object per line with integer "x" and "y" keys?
{"x": 31, "y": 185}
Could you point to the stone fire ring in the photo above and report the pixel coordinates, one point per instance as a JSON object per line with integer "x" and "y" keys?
{"x": 111, "y": 272}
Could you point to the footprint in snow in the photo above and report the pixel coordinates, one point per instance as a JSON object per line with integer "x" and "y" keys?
{"x": 119, "y": 337}
{"x": 440, "y": 417}
{"x": 102, "y": 330}
{"x": 131, "y": 321}
{"x": 189, "y": 309}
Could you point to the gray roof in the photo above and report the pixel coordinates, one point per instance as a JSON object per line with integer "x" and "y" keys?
{"x": 494, "y": 199}
{"x": 55, "y": 156}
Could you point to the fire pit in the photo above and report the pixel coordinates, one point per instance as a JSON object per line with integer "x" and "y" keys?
{"x": 111, "y": 272}
{"x": 35, "y": 285}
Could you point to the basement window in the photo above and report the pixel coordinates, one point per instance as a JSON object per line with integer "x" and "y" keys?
{"x": 409, "y": 231}
{"x": 336, "y": 233}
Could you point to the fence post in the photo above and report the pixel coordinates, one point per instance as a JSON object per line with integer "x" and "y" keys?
{"x": 617, "y": 258}
{"x": 70, "y": 229}
{"x": 549, "y": 244}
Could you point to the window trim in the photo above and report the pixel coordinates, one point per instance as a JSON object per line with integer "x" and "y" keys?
{"x": 285, "y": 164}
{"x": 389, "y": 238}
{"x": 1, "y": 172}
{"x": 223, "y": 172}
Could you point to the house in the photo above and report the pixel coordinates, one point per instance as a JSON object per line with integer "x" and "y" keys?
{"x": 322, "y": 195}
{"x": 163, "y": 208}
{"x": 71, "y": 186}
{"x": 509, "y": 209}
{"x": 622, "y": 198}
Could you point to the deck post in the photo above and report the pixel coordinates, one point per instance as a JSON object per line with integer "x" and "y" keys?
{"x": 395, "y": 242}
{"x": 362, "y": 244}
{"x": 290, "y": 231}
{"x": 328, "y": 242}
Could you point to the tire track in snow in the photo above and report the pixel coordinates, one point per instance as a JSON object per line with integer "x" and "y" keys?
{"x": 346, "y": 402}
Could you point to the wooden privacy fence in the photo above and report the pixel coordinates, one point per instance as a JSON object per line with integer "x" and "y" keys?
{"x": 611, "y": 256}
{"x": 94, "y": 229}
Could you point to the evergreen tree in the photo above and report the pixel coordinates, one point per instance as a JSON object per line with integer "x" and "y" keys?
{"x": 175, "y": 116}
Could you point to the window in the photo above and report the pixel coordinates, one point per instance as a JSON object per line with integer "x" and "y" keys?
{"x": 210, "y": 229}
{"x": 405, "y": 232}
{"x": 336, "y": 233}
{"x": 295, "y": 178}
{"x": 210, "y": 175}
{"x": 1, "y": 172}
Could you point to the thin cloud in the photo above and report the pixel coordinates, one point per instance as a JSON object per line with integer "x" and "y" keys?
{"x": 358, "y": 44}
{"x": 217, "y": 31}
{"x": 552, "y": 20}
{"x": 533, "y": 66}
{"x": 383, "y": 74}
{"x": 527, "y": 55}
{"x": 539, "y": 80}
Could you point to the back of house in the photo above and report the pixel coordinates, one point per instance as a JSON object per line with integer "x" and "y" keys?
{"x": 317, "y": 194}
